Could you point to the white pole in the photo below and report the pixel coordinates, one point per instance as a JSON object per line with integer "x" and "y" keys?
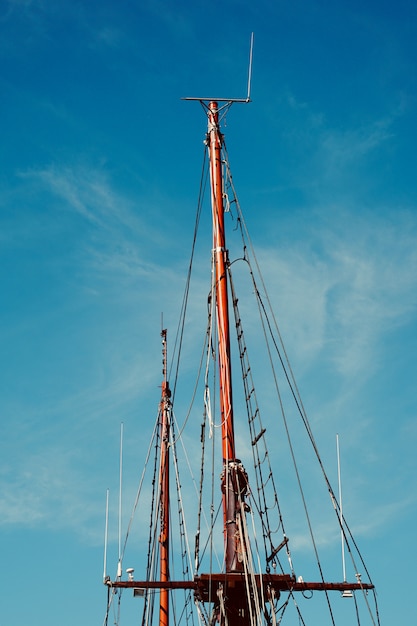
{"x": 341, "y": 509}
{"x": 119, "y": 566}
{"x": 106, "y": 536}
{"x": 250, "y": 68}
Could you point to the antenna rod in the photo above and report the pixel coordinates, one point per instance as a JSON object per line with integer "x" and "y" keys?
{"x": 119, "y": 565}
{"x": 106, "y": 536}
{"x": 230, "y": 101}
{"x": 341, "y": 508}
{"x": 250, "y": 68}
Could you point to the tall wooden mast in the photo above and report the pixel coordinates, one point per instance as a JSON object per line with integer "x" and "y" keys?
{"x": 214, "y": 140}
{"x": 230, "y": 479}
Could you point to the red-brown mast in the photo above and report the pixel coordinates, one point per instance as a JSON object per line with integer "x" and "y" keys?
{"x": 214, "y": 141}
{"x": 220, "y": 259}
{"x": 164, "y": 411}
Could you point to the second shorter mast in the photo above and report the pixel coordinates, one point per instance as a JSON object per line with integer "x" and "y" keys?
{"x": 165, "y": 418}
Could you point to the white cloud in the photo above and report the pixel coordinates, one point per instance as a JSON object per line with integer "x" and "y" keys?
{"x": 83, "y": 189}
{"x": 339, "y": 149}
{"x": 375, "y": 272}
{"x": 48, "y": 489}
{"x": 347, "y": 286}
{"x": 344, "y": 286}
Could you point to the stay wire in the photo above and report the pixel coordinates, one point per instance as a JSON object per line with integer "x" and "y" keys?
{"x": 181, "y": 325}
{"x": 139, "y": 490}
{"x": 290, "y": 377}
{"x": 262, "y": 506}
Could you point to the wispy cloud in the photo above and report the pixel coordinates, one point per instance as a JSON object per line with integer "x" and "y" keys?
{"x": 83, "y": 189}
{"x": 56, "y": 424}
{"x": 343, "y": 288}
{"x": 352, "y": 283}
{"x": 377, "y": 266}
{"x": 123, "y": 241}
{"x": 49, "y": 489}
{"x": 339, "y": 149}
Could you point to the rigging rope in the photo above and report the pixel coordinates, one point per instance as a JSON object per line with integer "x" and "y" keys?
{"x": 261, "y": 500}
{"x": 181, "y": 325}
{"x": 283, "y": 357}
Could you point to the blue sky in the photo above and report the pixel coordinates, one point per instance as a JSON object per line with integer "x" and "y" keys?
{"x": 100, "y": 165}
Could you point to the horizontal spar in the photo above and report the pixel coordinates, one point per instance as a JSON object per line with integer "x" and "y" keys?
{"x": 206, "y": 584}
{"x": 151, "y": 584}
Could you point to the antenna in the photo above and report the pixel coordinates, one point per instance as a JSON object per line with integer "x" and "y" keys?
{"x": 347, "y": 593}
{"x": 106, "y": 537}
{"x": 231, "y": 100}
{"x": 250, "y": 67}
{"x": 119, "y": 564}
